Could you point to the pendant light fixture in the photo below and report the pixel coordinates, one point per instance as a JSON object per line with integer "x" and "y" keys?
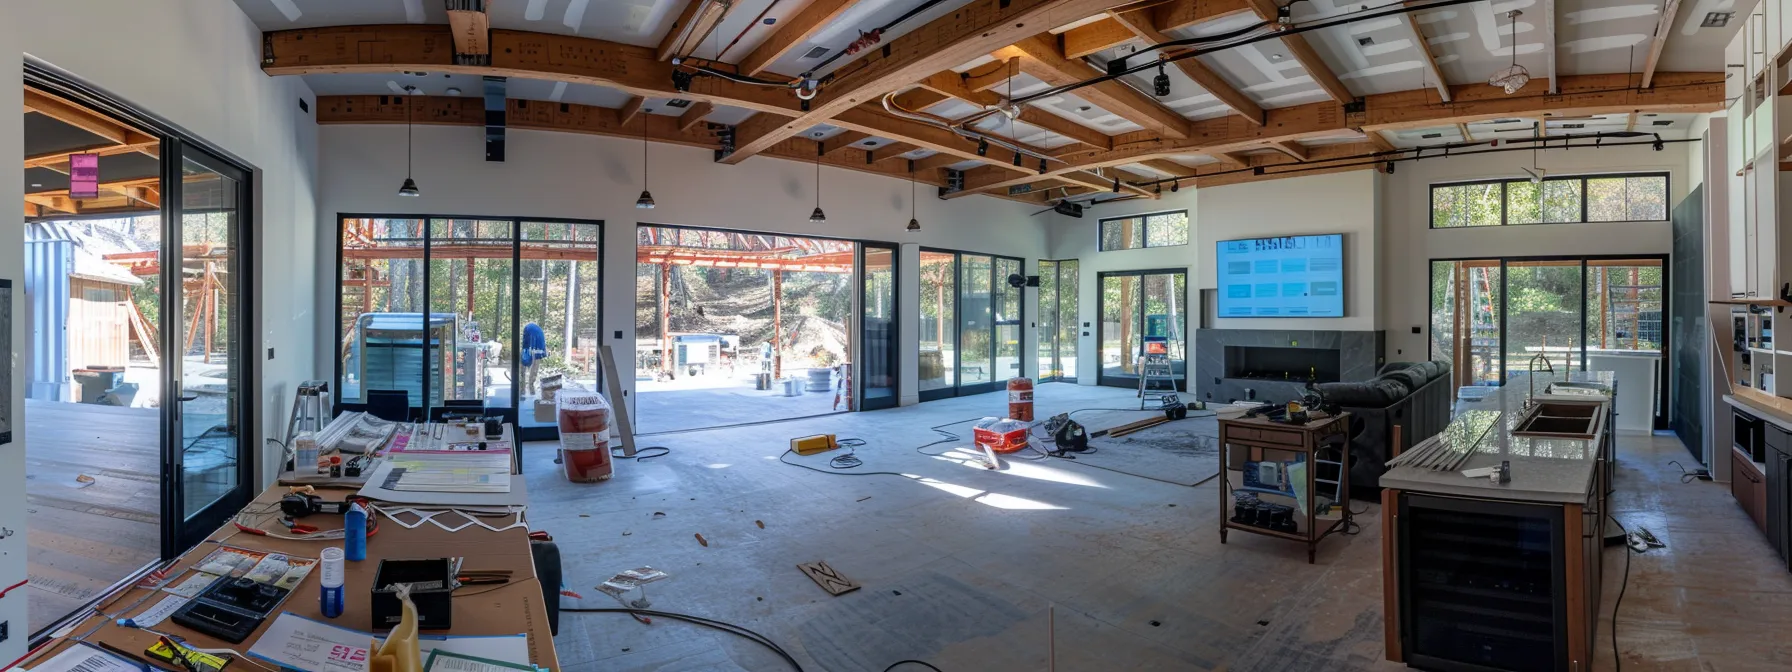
{"x": 818, "y": 217}
{"x": 645, "y": 202}
{"x": 914, "y": 225}
{"x": 409, "y": 188}
{"x": 1514, "y": 77}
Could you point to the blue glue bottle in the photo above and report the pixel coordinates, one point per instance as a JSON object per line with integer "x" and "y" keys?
{"x": 354, "y": 528}
{"x": 331, "y": 579}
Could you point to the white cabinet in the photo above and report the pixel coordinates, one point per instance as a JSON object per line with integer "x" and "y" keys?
{"x": 1735, "y": 55}
{"x": 1738, "y": 197}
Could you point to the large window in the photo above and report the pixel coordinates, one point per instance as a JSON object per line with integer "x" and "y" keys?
{"x": 1494, "y": 319}
{"x": 1555, "y": 200}
{"x": 438, "y": 311}
{"x": 1057, "y": 320}
{"x": 1163, "y": 229}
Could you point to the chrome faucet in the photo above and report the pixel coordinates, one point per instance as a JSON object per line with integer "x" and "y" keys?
{"x": 1531, "y": 398}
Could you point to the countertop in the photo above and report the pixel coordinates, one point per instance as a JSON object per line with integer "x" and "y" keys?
{"x": 1557, "y": 471}
{"x": 1770, "y": 415}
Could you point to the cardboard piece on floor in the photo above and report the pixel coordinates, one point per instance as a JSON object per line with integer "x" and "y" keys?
{"x": 625, "y": 428}
{"x": 830, "y": 580}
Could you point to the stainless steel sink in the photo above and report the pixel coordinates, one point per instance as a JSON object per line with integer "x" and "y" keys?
{"x": 1560, "y": 420}
{"x": 1564, "y": 388}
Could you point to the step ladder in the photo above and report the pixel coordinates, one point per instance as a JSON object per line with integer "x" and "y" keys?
{"x": 1156, "y": 379}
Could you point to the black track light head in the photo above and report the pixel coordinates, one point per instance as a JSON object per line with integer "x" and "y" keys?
{"x": 1161, "y": 83}
{"x": 982, "y": 147}
{"x": 1116, "y": 184}
{"x": 1017, "y": 159}
{"x": 1159, "y": 189}
{"x": 1176, "y": 186}
{"x": 1041, "y": 166}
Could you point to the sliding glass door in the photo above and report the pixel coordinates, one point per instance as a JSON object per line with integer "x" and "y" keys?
{"x": 877, "y": 326}
{"x": 1140, "y": 308}
{"x": 1495, "y": 320}
{"x": 206, "y": 448}
{"x": 1057, "y": 320}
{"x": 970, "y": 323}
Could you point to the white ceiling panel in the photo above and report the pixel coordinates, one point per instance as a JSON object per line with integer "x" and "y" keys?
{"x": 291, "y": 14}
{"x": 864, "y": 15}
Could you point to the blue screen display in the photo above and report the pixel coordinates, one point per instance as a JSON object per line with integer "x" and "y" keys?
{"x": 1290, "y": 276}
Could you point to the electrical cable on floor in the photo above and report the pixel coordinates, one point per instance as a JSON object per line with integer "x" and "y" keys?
{"x": 924, "y": 663}
{"x": 640, "y": 455}
{"x": 1690, "y": 476}
{"x": 1617, "y": 661}
{"x": 730, "y": 628}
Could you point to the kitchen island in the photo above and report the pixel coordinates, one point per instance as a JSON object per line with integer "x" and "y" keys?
{"x": 1480, "y": 574}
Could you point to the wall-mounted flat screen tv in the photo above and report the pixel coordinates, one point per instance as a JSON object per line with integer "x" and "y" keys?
{"x": 1285, "y": 276}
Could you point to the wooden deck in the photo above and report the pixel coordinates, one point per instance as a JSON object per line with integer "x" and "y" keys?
{"x": 83, "y": 539}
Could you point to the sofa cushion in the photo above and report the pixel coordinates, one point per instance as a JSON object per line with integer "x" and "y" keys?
{"x": 1413, "y": 379}
{"x": 1436, "y": 369}
{"x": 1379, "y": 393}
{"x": 1395, "y": 366}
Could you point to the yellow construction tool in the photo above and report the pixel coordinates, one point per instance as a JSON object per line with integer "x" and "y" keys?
{"x": 810, "y": 445}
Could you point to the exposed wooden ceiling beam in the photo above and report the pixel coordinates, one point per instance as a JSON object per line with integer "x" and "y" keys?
{"x": 1463, "y": 129}
{"x": 1042, "y": 59}
{"x": 978, "y": 28}
{"x": 1581, "y": 95}
{"x": 991, "y": 75}
{"x": 1663, "y": 26}
{"x": 58, "y": 161}
{"x": 390, "y": 49}
{"x": 1093, "y": 38}
{"x": 1630, "y": 122}
{"x": 627, "y": 112}
{"x": 792, "y": 33}
{"x": 1178, "y": 14}
{"x": 948, "y": 84}
{"x": 58, "y": 203}
{"x": 1139, "y": 22}
{"x": 472, "y": 31}
{"x": 1293, "y": 149}
{"x": 1428, "y": 58}
{"x": 1378, "y": 141}
{"x": 80, "y": 118}
{"x": 891, "y": 151}
{"x": 936, "y": 161}
{"x": 842, "y": 141}
{"x": 694, "y": 115}
{"x": 583, "y": 119}
{"x": 1308, "y": 58}
{"x": 1173, "y": 168}
{"x": 693, "y": 25}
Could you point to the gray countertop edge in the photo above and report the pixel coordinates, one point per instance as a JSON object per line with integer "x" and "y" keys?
{"x": 1772, "y": 416}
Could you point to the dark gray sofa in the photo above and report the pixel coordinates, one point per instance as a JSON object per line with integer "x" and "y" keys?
{"x": 1413, "y": 395}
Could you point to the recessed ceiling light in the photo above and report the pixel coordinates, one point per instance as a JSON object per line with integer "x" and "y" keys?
{"x": 771, "y": 20}
{"x": 1716, "y": 19}
{"x": 1429, "y": 136}
{"x": 35, "y": 185}
{"x": 1275, "y": 57}
{"x": 1084, "y": 108}
{"x": 1365, "y": 41}
{"x": 452, "y": 91}
{"x": 1662, "y": 122}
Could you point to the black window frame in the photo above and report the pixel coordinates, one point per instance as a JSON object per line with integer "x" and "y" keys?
{"x": 511, "y": 415}
{"x": 958, "y": 388}
{"x": 1505, "y": 198}
{"x": 1145, "y": 230}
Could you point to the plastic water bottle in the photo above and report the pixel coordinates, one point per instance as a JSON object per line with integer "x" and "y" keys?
{"x": 354, "y": 528}
{"x": 305, "y": 447}
{"x": 330, "y": 599}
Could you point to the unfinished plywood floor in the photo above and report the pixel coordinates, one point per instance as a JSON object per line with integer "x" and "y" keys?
{"x": 961, "y": 565}
{"x": 82, "y": 540}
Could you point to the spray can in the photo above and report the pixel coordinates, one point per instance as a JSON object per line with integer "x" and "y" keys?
{"x": 305, "y": 444}
{"x": 354, "y": 532}
{"x": 330, "y": 599}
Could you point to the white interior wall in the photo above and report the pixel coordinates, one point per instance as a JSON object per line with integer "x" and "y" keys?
{"x": 195, "y": 63}
{"x": 1332, "y": 203}
{"x": 598, "y": 178}
{"x": 1409, "y": 244}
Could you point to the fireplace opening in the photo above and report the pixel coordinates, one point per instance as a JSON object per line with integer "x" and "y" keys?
{"x": 1271, "y": 363}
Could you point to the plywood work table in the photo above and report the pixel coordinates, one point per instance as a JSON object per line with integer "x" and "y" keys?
{"x": 517, "y": 606}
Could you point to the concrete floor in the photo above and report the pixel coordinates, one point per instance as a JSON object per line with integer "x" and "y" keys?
{"x": 694, "y": 402}
{"x": 961, "y": 566}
